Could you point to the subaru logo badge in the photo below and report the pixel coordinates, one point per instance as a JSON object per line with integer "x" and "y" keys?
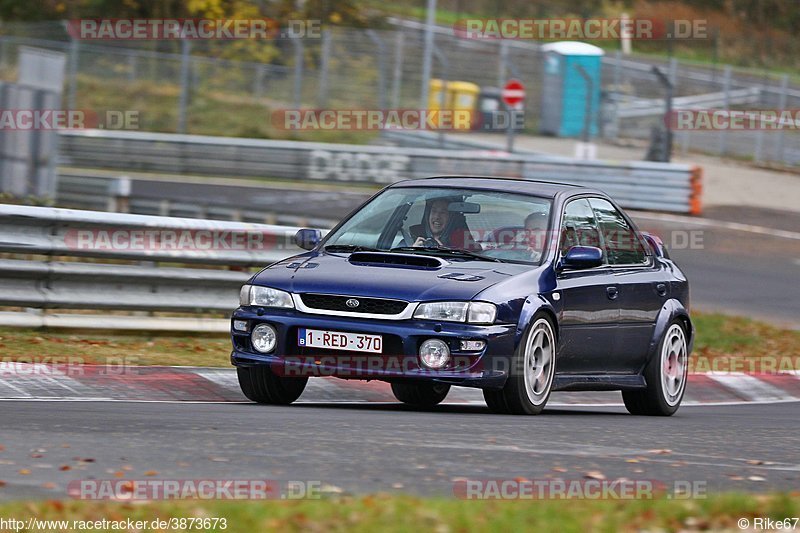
{"x": 352, "y": 303}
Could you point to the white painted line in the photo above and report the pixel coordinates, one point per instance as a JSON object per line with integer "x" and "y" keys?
{"x": 706, "y": 222}
{"x": 750, "y": 387}
{"x": 219, "y": 376}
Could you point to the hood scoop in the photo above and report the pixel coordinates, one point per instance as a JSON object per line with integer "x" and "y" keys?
{"x": 457, "y": 276}
{"x": 423, "y": 262}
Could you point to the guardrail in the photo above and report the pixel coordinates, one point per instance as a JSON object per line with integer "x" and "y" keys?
{"x": 647, "y": 107}
{"x": 634, "y": 184}
{"x": 84, "y": 260}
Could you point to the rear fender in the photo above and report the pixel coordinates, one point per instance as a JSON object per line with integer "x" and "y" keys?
{"x": 671, "y": 310}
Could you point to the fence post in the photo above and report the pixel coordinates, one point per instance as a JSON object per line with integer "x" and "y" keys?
{"x": 132, "y": 60}
{"x": 726, "y": 89}
{"x": 673, "y": 71}
{"x": 427, "y": 54}
{"x": 381, "y": 46}
{"x": 74, "y": 51}
{"x": 183, "y": 99}
{"x": 322, "y": 92}
{"x": 779, "y": 152}
{"x": 298, "y": 71}
{"x": 258, "y": 85}
{"x": 397, "y": 81}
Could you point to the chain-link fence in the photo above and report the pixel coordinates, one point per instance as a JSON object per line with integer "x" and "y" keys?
{"x": 226, "y": 87}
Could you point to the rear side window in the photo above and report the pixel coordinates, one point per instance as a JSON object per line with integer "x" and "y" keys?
{"x": 579, "y": 226}
{"x": 621, "y": 245}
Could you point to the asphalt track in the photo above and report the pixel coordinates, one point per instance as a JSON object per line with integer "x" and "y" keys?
{"x": 363, "y": 448}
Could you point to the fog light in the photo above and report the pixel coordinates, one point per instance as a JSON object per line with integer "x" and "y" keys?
{"x": 434, "y": 353}
{"x": 264, "y": 338}
{"x": 472, "y": 346}
{"x": 240, "y": 325}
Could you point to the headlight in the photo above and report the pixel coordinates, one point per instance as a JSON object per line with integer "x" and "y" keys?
{"x": 472, "y": 312}
{"x": 481, "y": 313}
{"x": 434, "y": 353}
{"x": 265, "y": 296}
{"x": 264, "y": 338}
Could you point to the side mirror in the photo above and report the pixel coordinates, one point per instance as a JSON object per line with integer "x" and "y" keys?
{"x": 580, "y": 257}
{"x": 307, "y": 239}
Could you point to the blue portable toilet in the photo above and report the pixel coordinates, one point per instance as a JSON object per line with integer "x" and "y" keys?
{"x": 564, "y": 88}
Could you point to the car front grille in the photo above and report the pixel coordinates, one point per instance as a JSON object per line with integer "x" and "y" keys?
{"x": 375, "y": 306}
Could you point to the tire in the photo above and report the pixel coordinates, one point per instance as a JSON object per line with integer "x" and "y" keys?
{"x": 494, "y": 399}
{"x": 665, "y": 375}
{"x": 420, "y": 394}
{"x": 260, "y": 385}
{"x": 532, "y": 372}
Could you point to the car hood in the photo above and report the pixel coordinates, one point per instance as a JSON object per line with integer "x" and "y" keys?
{"x": 329, "y": 273}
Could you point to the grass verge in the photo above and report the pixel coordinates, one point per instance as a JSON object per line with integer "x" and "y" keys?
{"x": 407, "y": 513}
{"x": 721, "y": 340}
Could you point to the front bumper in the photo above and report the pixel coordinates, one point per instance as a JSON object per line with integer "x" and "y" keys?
{"x": 487, "y": 368}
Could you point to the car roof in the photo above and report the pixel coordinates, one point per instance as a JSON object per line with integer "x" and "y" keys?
{"x": 547, "y": 189}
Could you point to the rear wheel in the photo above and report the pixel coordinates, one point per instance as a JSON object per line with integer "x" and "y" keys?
{"x": 420, "y": 394}
{"x": 533, "y": 368}
{"x": 260, "y": 385}
{"x": 665, "y": 375}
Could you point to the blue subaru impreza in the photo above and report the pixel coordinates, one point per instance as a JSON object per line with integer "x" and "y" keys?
{"x": 513, "y": 286}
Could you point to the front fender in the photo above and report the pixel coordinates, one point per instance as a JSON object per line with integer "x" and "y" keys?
{"x": 533, "y": 305}
{"x": 671, "y": 310}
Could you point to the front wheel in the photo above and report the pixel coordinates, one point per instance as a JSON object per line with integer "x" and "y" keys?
{"x": 260, "y": 385}
{"x": 665, "y": 375}
{"x": 533, "y": 368}
{"x": 420, "y": 394}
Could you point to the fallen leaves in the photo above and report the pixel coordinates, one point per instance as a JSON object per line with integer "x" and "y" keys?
{"x": 594, "y": 474}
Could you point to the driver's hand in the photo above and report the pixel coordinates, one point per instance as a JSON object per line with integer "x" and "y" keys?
{"x": 420, "y": 242}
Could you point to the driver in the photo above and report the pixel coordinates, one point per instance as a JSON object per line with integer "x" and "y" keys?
{"x": 533, "y": 236}
{"x": 441, "y": 227}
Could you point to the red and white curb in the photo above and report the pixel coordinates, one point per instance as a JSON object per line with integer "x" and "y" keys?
{"x": 34, "y": 381}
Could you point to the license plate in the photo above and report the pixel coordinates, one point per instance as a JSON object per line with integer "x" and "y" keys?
{"x": 337, "y": 340}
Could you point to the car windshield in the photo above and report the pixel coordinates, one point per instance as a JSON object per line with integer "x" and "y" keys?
{"x": 462, "y": 224}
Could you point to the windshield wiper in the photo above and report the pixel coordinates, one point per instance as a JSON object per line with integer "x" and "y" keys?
{"x": 349, "y": 248}
{"x": 448, "y": 251}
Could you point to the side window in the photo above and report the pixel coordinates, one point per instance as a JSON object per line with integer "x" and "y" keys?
{"x": 620, "y": 243}
{"x": 578, "y": 227}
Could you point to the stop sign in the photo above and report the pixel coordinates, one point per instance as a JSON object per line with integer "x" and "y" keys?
{"x": 513, "y": 93}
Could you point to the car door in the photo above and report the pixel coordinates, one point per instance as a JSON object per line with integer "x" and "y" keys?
{"x": 589, "y": 311}
{"x": 641, "y": 284}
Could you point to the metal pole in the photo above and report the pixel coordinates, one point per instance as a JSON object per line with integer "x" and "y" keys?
{"x": 664, "y": 79}
{"x": 298, "y": 72}
{"x": 397, "y": 81}
{"x": 183, "y": 99}
{"x": 512, "y": 115}
{"x": 427, "y": 55}
{"x": 381, "y": 46}
{"x": 587, "y": 119}
{"x": 501, "y": 64}
{"x": 443, "y": 92}
{"x": 74, "y": 51}
{"x": 781, "y": 106}
{"x": 322, "y": 92}
{"x": 726, "y": 89}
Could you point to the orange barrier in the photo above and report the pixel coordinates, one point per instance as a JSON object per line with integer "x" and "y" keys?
{"x": 695, "y": 196}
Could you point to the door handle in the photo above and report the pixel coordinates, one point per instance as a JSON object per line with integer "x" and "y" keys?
{"x": 661, "y": 289}
{"x": 612, "y": 292}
